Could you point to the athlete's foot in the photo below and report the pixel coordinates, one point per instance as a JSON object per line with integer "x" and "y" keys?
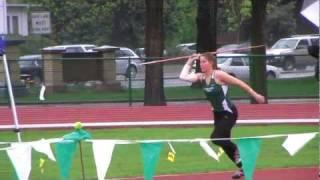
{"x": 238, "y": 174}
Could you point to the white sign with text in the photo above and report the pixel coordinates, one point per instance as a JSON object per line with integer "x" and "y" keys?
{"x": 41, "y": 23}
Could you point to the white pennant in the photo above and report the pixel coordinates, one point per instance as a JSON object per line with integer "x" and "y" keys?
{"x": 43, "y": 146}
{"x": 102, "y": 152}
{"x": 42, "y": 90}
{"x": 20, "y": 156}
{"x": 295, "y": 142}
{"x": 205, "y": 146}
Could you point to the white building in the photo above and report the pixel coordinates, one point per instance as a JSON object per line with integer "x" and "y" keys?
{"x": 14, "y": 18}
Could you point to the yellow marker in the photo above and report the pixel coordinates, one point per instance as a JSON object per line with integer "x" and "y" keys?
{"x": 77, "y": 125}
{"x": 171, "y": 156}
{"x": 220, "y": 152}
{"x": 41, "y": 165}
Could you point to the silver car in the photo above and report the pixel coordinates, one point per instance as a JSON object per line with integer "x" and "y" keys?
{"x": 238, "y": 65}
{"x": 291, "y": 53}
{"x": 123, "y": 67}
{"x": 73, "y": 48}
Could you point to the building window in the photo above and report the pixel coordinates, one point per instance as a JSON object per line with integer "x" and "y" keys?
{"x": 8, "y": 25}
{"x": 13, "y": 24}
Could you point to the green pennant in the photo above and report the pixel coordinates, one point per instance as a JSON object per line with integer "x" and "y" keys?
{"x": 64, "y": 154}
{"x": 249, "y": 151}
{"x": 77, "y": 135}
{"x": 15, "y": 175}
{"x": 150, "y": 155}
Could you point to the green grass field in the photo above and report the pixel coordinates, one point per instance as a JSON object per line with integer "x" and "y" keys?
{"x": 190, "y": 158}
{"x": 279, "y": 88}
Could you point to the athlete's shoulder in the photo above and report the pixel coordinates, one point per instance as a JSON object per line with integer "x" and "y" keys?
{"x": 219, "y": 73}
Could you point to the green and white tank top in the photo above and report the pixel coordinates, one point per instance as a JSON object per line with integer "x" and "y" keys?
{"x": 217, "y": 95}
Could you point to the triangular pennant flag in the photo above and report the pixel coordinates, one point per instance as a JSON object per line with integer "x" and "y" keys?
{"x": 249, "y": 150}
{"x": 150, "y": 155}
{"x": 42, "y": 91}
{"x": 64, "y": 152}
{"x": 295, "y": 142}
{"x": 20, "y": 156}
{"x": 77, "y": 135}
{"x": 41, "y": 165}
{"x": 102, "y": 152}
{"x": 205, "y": 146}
{"x": 171, "y": 154}
{"x": 221, "y": 152}
{"x": 43, "y": 146}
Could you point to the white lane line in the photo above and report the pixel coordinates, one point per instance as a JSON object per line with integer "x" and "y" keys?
{"x": 159, "y": 123}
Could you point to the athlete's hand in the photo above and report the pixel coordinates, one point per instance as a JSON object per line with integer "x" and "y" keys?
{"x": 192, "y": 58}
{"x": 259, "y": 98}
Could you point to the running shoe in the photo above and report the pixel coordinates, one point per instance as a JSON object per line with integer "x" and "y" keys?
{"x": 238, "y": 174}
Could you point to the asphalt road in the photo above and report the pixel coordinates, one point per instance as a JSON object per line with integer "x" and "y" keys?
{"x": 171, "y": 76}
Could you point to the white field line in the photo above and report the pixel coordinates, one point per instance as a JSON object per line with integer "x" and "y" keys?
{"x": 158, "y": 123}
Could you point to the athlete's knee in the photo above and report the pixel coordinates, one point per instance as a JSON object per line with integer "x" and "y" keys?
{"x": 217, "y": 141}
{"x": 222, "y": 143}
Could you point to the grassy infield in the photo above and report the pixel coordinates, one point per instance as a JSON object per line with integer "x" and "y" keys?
{"x": 287, "y": 88}
{"x": 189, "y": 158}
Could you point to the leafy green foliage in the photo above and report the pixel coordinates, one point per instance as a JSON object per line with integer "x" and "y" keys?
{"x": 236, "y": 12}
{"x": 280, "y": 21}
{"x": 121, "y": 22}
{"x": 117, "y": 22}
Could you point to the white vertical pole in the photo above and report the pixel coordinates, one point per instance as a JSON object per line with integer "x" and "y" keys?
{"x": 12, "y": 102}
{"x": 3, "y": 17}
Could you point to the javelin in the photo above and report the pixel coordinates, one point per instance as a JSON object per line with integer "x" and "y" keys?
{"x": 184, "y": 57}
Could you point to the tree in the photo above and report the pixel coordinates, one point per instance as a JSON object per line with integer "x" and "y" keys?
{"x": 280, "y": 21}
{"x": 153, "y": 91}
{"x": 258, "y": 63}
{"x": 76, "y": 21}
{"x": 127, "y": 27}
{"x": 206, "y": 26}
{"x": 238, "y": 13}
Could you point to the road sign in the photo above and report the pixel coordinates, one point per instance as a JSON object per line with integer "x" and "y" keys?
{"x": 41, "y": 23}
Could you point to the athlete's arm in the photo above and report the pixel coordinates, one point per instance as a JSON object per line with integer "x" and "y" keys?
{"x": 185, "y": 72}
{"x": 225, "y": 78}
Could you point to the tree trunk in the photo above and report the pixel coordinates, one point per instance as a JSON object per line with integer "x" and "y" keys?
{"x": 258, "y": 64}
{"x": 206, "y": 26}
{"x": 154, "y": 91}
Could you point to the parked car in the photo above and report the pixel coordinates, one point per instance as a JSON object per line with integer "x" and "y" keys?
{"x": 292, "y": 52}
{"x": 73, "y": 48}
{"x": 31, "y": 67}
{"x": 141, "y": 52}
{"x": 186, "y": 48}
{"x": 235, "y": 48}
{"x": 237, "y": 65}
{"x": 123, "y": 54}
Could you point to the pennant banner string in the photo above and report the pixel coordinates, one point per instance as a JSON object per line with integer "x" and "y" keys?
{"x": 196, "y": 140}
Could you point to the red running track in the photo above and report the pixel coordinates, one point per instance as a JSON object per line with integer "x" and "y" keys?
{"x": 296, "y": 173}
{"x": 308, "y": 173}
{"x": 37, "y": 114}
